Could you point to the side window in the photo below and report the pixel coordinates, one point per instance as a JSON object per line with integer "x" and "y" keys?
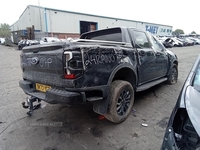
{"x": 141, "y": 39}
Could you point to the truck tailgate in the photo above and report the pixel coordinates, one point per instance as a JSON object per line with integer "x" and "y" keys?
{"x": 43, "y": 64}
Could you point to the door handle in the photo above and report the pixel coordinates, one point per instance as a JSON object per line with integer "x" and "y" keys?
{"x": 157, "y": 54}
{"x": 142, "y": 53}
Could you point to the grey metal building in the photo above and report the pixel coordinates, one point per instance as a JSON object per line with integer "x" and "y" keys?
{"x": 63, "y": 24}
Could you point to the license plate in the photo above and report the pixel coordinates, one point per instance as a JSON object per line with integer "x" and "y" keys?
{"x": 42, "y": 87}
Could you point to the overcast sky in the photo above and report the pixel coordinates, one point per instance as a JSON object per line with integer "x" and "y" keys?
{"x": 181, "y": 14}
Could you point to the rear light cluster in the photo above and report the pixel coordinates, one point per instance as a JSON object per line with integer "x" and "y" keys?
{"x": 70, "y": 76}
{"x": 73, "y": 65}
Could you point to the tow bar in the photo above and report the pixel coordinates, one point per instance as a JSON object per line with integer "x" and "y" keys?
{"x": 30, "y": 105}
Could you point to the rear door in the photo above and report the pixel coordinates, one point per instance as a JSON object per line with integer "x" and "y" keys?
{"x": 146, "y": 56}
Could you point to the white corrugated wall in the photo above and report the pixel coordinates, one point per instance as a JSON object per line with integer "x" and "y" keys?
{"x": 58, "y": 21}
{"x": 64, "y": 22}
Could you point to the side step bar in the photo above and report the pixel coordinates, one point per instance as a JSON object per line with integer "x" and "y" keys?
{"x": 150, "y": 84}
{"x": 91, "y": 99}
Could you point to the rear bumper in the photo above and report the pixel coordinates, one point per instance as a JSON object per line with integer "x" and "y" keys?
{"x": 53, "y": 95}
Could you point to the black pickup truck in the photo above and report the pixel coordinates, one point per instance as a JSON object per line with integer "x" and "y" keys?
{"x": 105, "y": 67}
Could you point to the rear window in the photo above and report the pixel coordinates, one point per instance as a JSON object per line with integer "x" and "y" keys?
{"x": 105, "y": 35}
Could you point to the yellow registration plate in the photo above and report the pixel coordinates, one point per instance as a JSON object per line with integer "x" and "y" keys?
{"x": 42, "y": 87}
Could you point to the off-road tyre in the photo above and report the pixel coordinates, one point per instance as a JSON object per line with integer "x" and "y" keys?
{"x": 120, "y": 101}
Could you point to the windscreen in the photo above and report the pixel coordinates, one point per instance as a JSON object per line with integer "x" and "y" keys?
{"x": 113, "y": 34}
{"x": 196, "y": 81}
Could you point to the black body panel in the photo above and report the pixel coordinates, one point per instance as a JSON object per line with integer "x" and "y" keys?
{"x": 82, "y": 70}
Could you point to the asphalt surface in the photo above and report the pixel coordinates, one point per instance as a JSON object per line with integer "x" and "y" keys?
{"x": 58, "y": 127}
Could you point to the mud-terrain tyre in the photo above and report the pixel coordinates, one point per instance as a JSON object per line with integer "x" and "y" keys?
{"x": 120, "y": 101}
{"x": 173, "y": 76}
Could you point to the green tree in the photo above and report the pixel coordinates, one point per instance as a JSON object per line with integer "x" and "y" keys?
{"x": 193, "y": 32}
{"x": 4, "y": 30}
{"x": 178, "y": 32}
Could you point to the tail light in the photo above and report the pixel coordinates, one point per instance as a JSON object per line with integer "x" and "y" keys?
{"x": 68, "y": 74}
{"x": 73, "y": 64}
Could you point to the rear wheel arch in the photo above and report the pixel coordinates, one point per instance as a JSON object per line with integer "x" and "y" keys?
{"x": 125, "y": 73}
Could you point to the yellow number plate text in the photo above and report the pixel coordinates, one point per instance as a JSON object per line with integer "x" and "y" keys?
{"x": 42, "y": 87}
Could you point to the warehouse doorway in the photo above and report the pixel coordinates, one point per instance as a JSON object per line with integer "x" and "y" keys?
{"x": 86, "y": 26}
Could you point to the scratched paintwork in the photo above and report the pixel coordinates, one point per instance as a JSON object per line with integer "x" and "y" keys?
{"x": 100, "y": 61}
{"x": 95, "y": 64}
{"x": 97, "y": 56}
{"x": 46, "y": 61}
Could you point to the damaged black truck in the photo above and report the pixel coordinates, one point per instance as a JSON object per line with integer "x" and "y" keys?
{"x": 104, "y": 67}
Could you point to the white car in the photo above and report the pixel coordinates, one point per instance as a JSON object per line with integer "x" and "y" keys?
{"x": 2, "y": 40}
{"x": 197, "y": 41}
{"x": 45, "y": 40}
{"x": 176, "y": 43}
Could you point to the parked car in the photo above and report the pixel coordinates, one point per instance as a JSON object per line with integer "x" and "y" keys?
{"x": 176, "y": 43}
{"x": 103, "y": 67}
{"x": 173, "y": 42}
{"x": 183, "y": 130}
{"x": 26, "y": 42}
{"x": 190, "y": 42}
{"x": 46, "y": 40}
{"x": 2, "y": 41}
{"x": 197, "y": 41}
{"x": 166, "y": 42}
{"x": 185, "y": 42}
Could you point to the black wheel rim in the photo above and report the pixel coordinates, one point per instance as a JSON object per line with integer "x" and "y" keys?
{"x": 174, "y": 75}
{"x": 123, "y": 102}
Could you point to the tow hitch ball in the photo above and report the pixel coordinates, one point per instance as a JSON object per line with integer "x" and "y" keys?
{"x": 30, "y": 104}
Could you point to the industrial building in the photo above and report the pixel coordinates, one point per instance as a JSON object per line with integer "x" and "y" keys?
{"x": 36, "y": 22}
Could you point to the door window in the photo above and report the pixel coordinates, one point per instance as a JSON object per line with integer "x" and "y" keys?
{"x": 141, "y": 39}
{"x": 156, "y": 44}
